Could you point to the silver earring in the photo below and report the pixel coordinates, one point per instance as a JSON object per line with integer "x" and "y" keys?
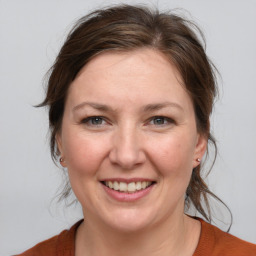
{"x": 61, "y": 159}
{"x": 198, "y": 160}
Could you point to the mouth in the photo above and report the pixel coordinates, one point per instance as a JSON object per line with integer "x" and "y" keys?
{"x": 128, "y": 187}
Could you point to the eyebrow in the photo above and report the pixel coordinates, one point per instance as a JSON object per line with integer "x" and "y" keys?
{"x": 97, "y": 106}
{"x": 147, "y": 108}
{"x": 158, "y": 106}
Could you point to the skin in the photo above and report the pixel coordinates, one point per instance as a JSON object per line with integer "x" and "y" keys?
{"x": 146, "y": 129}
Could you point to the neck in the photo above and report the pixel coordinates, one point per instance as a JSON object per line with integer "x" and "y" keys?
{"x": 176, "y": 236}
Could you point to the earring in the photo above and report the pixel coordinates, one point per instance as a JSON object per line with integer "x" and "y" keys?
{"x": 198, "y": 160}
{"x": 61, "y": 159}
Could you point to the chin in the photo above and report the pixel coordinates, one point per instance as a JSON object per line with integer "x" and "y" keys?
{"x": 129, "y": 220}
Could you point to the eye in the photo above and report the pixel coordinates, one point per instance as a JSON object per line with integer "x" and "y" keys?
{"x": 94, "y": 121}
{"x": 161, "y": 121}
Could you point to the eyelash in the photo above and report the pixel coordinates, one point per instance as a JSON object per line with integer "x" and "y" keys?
{"x": 166, "y": 121}
{"x": 89, "y": 120}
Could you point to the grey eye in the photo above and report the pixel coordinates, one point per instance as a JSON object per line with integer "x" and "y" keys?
{"x": 96, "y": 120}
{"x": 159, "y": 120}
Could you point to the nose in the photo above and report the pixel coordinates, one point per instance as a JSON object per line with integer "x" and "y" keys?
{"x": 127, "y": 151}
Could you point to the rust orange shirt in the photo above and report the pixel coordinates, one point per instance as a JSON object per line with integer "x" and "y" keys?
{"x": 212, "y": 242}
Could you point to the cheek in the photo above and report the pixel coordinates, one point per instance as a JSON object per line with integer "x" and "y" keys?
{"x": 173, "y": 156}
{"x": 83, "y": 154}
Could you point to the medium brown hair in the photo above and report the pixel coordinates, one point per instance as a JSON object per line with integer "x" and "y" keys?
{"x": 126, "y": 28}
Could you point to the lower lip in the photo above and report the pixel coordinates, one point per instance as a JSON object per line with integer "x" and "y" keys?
{"x": 127, "y": 197}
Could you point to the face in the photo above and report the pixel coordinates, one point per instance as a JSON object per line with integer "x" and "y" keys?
{"x": 129, "y": 140}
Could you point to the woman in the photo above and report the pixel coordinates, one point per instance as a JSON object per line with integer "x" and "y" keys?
{"x": 130, "y": 96}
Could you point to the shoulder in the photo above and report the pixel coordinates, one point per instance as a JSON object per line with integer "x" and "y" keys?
{"x": 215, "y": 242}
{"x": 47, "y": 247}
{"x": 62, "y": 244}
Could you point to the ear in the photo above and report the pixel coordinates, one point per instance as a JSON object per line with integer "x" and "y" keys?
{"x": 60, "y": 149}
{"x": 201, "y": 146}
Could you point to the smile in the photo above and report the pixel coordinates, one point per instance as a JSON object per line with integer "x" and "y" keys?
{"x": 131, "y": 187}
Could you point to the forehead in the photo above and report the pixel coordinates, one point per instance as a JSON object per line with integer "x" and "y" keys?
{"x": 135, "y": 61}
{"x": 140, "y": 75}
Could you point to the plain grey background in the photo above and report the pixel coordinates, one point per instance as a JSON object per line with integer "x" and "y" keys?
{"x": 31, "y": 33}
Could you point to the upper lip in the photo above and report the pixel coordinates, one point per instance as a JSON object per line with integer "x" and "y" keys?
{"x": 127, "y": 180}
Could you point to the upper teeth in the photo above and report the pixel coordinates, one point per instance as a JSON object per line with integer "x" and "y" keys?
{"x": 127, "y": 187}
